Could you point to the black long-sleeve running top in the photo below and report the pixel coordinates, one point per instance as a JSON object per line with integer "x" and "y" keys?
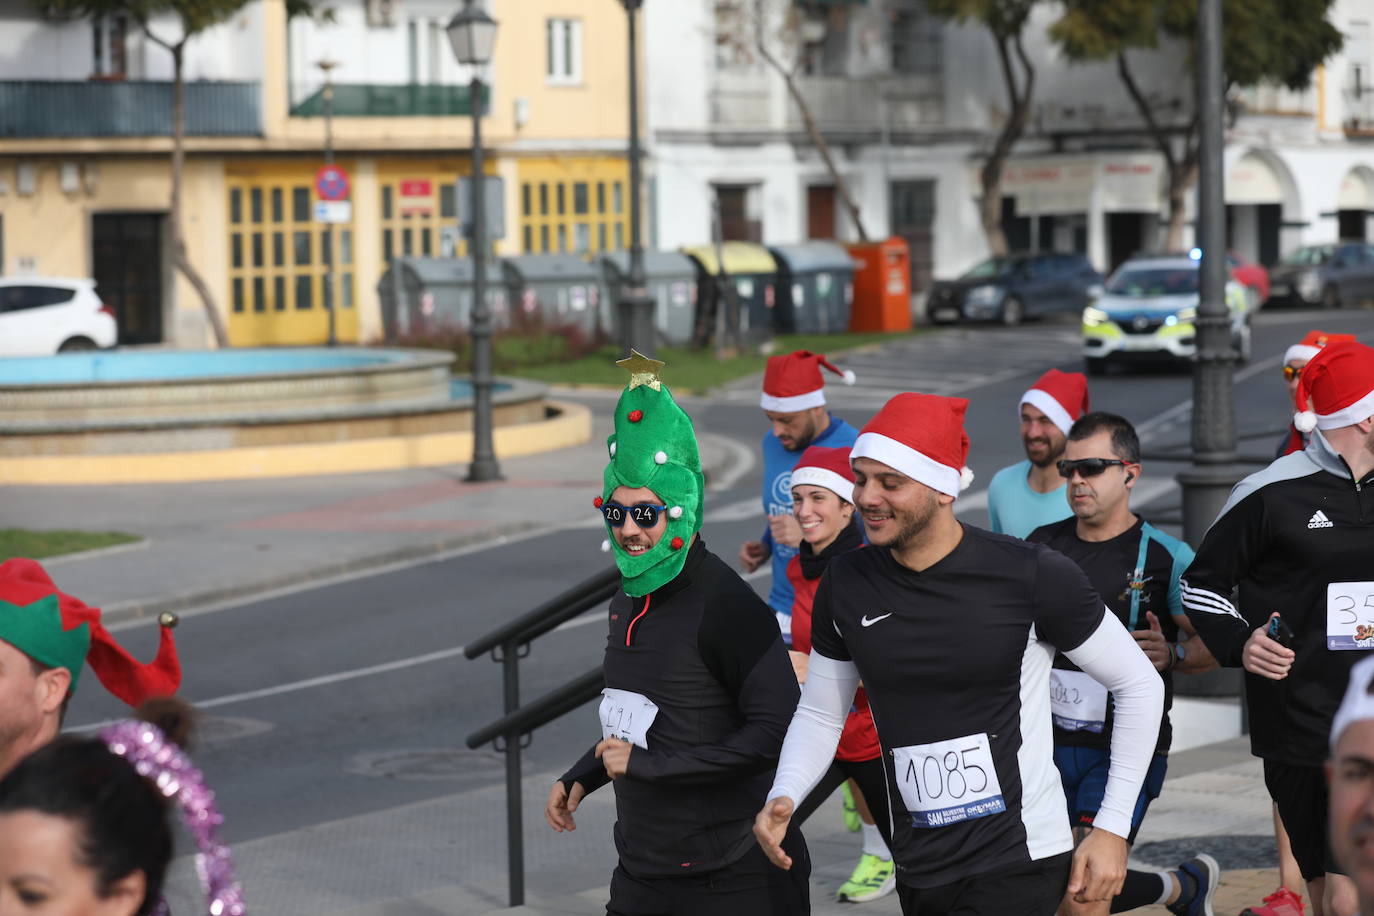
{"x": 1297, "y": 538}
{"x": 698, "y": 679}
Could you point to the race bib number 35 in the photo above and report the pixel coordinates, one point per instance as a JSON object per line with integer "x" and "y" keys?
{"x": 1350, "y": 615}
{"x": 948, "y": 781}
{"x": 627, "y": 715}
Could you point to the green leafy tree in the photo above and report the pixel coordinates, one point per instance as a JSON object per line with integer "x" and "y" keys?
{"x": 1006, "y": 21}
{"x": 1263, "y": 41}
{"x": 192, "y": 17}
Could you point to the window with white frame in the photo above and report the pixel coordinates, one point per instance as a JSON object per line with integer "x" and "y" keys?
{"x": 564, "y": 46}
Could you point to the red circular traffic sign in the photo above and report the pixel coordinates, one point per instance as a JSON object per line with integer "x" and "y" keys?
{"x": 331, "y": 183}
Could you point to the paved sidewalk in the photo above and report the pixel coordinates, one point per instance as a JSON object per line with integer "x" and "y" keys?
{"x": 221, "y": 541}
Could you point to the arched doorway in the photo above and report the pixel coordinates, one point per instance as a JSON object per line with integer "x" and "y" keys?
{"x": 1261, "y": 197}
{"x": 1354, "y": 201}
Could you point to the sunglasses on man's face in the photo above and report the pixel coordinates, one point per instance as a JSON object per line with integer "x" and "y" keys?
{"x": 1087, "y": 467}
{"x": 645, "y": 515}
{"x": 1291, "y": 372}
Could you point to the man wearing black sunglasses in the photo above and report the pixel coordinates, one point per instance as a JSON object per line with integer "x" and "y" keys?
{"x": 1135, "y": 567}
{"x": 699, "y": 689}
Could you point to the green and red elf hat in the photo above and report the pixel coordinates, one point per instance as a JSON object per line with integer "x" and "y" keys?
{"x": 60, "y": 631}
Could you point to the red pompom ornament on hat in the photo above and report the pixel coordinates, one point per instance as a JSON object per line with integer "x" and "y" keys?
{"x": 598, "y": 502}
{"x": 676, "y": 543}
{"x": 636, "y": 415}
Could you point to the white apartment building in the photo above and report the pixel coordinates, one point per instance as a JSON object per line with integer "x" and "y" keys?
{"x": 910, "y": 104}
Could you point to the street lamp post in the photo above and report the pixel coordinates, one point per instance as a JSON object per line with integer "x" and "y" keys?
{"x": 328, "y": 96}
{"x": 473, "y": 35}
{"x": 1214, "y": 472}
{"x": 636, "y": 307}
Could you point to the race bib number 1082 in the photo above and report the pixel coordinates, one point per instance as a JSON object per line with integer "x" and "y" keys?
{"x": 946, "y": 782}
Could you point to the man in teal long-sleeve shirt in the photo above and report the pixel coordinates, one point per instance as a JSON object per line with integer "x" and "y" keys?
{"x": 1030, "y": 493}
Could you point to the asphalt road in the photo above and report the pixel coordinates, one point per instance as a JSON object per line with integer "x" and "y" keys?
{"x": 354, "y": 697}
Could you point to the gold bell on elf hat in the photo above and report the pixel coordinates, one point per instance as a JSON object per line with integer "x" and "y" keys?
{"x": 60, "y": 631}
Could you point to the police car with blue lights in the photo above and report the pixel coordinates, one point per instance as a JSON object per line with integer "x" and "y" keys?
{"x": 1147, "y": 313}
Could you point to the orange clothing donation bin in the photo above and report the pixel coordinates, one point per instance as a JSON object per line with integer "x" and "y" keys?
{"x": 882, "y": 286}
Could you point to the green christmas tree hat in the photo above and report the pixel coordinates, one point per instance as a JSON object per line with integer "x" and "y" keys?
{"x": 654, "y": 446}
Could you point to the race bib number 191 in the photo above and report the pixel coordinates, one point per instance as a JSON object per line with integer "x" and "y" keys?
{"x": 1350, "y": 615}
{"x": 627, "y": 715}
{"x": 948, "y": 781}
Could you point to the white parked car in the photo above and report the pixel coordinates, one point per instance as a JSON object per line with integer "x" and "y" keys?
{"x": 40, "y": 316}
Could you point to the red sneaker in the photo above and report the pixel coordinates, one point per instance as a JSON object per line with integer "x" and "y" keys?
{"x": 1282, "y": 902}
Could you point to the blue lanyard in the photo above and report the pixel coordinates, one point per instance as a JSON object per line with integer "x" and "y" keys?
{"x": 1137, "y": 576}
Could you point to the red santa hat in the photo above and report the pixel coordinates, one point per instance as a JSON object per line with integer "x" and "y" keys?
{"x": 793, "y": 381}
{"x": 921, "y": 436}
{"x": 1339, "y": 383}
{"x": 1061, "y": 396}
{"x": 826, "y": 467}
{"x": 1312, "y": 344}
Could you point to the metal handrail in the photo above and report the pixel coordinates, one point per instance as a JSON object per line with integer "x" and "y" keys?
{"x": 552, "y": 613}
{"x": 557, "y": 702}
{"x": 507, "y": 645}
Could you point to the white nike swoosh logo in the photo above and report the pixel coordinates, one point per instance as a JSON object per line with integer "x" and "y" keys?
{"x": 868, "y": 623}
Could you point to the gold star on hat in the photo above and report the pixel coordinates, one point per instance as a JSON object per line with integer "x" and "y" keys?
{"x": 642, "y": 369}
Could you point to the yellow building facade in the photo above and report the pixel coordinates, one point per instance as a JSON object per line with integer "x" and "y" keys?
{"x": 97, "y": 206}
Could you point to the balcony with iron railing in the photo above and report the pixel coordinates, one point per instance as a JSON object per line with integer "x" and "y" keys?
{"x": 1359, "y": 112}
{"x": 387, "y": 100}
{"x": 126, "y": 108}
{"x": 860, "y": 107}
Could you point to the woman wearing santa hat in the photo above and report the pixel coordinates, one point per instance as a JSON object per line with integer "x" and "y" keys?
{"x": 822, "y": 490}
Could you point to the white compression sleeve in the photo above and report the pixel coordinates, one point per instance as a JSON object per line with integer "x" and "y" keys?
{"x": 1111, "y": 657}
{"x": 814, "y": 733}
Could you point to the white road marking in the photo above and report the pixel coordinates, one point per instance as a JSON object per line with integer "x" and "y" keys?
{"x": 338, "y": 677}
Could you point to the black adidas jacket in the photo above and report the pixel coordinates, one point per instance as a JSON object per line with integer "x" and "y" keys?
{"x": 1292, "y": 538}
{"x": 707, "y": 650}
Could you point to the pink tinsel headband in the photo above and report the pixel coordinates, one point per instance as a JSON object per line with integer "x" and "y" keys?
{"x": 164, "y": 764}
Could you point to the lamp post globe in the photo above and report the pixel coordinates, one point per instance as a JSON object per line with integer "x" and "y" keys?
{"x": 472, "y": 33}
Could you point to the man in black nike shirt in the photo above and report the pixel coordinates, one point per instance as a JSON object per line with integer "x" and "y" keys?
{"x": 952, "y": 630}
{"x": 699, "y": 690}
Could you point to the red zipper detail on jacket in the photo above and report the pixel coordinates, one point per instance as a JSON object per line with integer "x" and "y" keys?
{"x": 629, "y": 631}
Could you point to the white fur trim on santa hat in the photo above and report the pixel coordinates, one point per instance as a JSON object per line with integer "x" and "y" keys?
{"x": 906, "y": 460}
{"x": 1362, "y": 409}
{"x": 1300, "y": 351}
{"x": 1045, "y": 401}
{"x": 824, "y": 477}
{"x": 1358, "y": 704}
{"x": 796, "y": 402}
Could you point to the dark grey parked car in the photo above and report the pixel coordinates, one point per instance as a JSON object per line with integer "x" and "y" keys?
{"x": 1332, "y": 275}
{"x": 1015, "y": 287}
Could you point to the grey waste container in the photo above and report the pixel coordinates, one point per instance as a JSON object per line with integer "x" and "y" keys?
{"x": 753, "y": 272}
{"x": 671, "y": 281}
{"x": 424, "y": 295}
{"x": 563, "y": 289}
{"x": 815, "y": 288}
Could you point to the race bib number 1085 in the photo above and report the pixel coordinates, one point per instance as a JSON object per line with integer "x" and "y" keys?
{"x": 946, "y": 782}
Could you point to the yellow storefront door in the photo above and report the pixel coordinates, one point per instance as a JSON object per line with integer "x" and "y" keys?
{"x": 277, "y": 255}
